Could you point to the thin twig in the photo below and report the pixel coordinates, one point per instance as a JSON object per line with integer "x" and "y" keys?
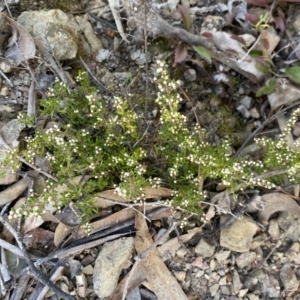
{"x": 250, "y": 137}
{"x": 278, "y": 244}
{"x": 94, "y": 78}
{"x": 32, "y": 269}
{"x": 6, "y": 78}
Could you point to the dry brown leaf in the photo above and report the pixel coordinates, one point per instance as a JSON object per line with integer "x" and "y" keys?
{"x": 14, "y": 190}
{"x": 275, "y": 202}
{"x": 61, "y": 232}
{"x": 119, "y": 217}
{"x": 102, "y": 198}
{"x": 284, "y": 94}
{"x": 170, "y": 247}
{"x": 160, "y": 192}
{"x": 135, "y": 280}
{"x": 162, "y": 282}
{"x": 222, "y": 200}
{"x": 272, "y": 39}
{"x": 21, "y": 45}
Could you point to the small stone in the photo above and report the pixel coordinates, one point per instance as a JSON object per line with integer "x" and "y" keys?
{"x": 212, "y": 264}
{"x": 288, "y": 278}
{"x": 213, "y": 289}
{"x": 223, "y": 281}
{"x": 239, "y": 235}
{"x": 188, "y": 266}
{"x": 245, "y": 259}
{"x": 122, "y": 76}
{"x": 190, "y": 75}
{"x": 254, "y": 113}
{"x": 236, "y": 282}
{"x": 88, "y": 270}
{"x": 246, "y": 102}
{"x": 102, "y": 55}
{"x": 242, "y": 293}
{"x": 136, "y": 54}
{"x": 204, "y": 249}
{"x": 243, "y": 110}
{"x": 4, "y": 91}
{"x": 181, "y": 252}
{"x": 295, "y": 247}
{"x": 180, "y": 276}
{"x": 109, "y": 265}
{"x": 274, "y": 230}
{"x": 226, "y": 290}
{"x": 199, "y": 273}
{"x": 222, "y": 255}
{"x": 253, "y": 297}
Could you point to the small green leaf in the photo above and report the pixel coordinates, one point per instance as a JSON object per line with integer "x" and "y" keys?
{"x": 293, "y": 73}
{"x": 267, "y": 89}
{"x": 203, "y": 52}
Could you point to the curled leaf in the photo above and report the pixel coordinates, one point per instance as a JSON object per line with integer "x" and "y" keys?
{"x": 21, "y": 46}
{"x": 275, "y": 202}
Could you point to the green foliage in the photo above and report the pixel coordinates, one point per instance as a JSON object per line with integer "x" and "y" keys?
{"x": 267, "y": 89}
{"x": 293, "y": 73}
{"x": 279, "y": 155}
{"x": 103, "y": 140}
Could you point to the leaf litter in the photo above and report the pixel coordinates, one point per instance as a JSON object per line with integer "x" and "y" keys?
{"x": 233, "y": 54}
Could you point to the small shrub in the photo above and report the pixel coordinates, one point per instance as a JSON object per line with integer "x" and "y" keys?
{"x": 90, "y": 137}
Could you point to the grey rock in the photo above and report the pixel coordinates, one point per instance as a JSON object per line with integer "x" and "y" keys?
{"x": 288, "y": 277}
{"x": 274, "y": 230}
{"x": 136, "y": 54}
{"x": 250, "y": 282}
{"x": 122, "y": 76}
{"x": 11, "y": 131}
{"x": 225, "y": 290}
{"x": 245, "y": 259}
{"x": 181, "y": 252}
{"x": 109, "y": 265}
{"x": 238, "y": 236}
{"x": 213, "y": 289}
{"x": 190, "y": 75}
{"x": 222, "y": 255}
{"x": 243, "y": 110}
{"x": 60, "y": 33}
{"x": 271, "y": 287}
{"x": 102, "y": 55}
{"x": 246, "y": 102}
{"x": 213, "y": 264}
{"x": 204, "y": 249}
{"x": 59, "y": 39}
{"x": 253, "y": 297}
{"x": 236, "y": 282}
{"x": 290, "y": 224}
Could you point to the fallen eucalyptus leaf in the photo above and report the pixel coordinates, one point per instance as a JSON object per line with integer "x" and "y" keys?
{"x": 275, "y": 202}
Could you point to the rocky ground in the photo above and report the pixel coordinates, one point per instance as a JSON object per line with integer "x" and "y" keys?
{"x": 257, "y": 256}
